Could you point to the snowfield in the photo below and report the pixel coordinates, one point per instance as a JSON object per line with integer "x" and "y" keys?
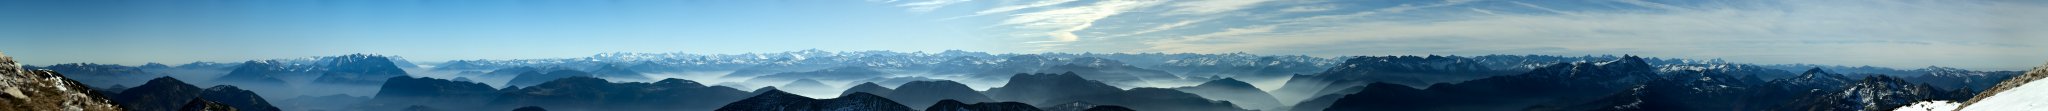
{"x": 2030, "y": 97}
{"x": 1930, "y": 106}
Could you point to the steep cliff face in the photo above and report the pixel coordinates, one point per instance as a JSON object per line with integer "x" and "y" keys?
{"x": 43, "y": 90}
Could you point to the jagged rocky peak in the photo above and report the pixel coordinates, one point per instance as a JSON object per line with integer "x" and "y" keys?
{"x": 1875, "y": 93}
{"x": 1817, "y": 73}
{"x": 42, "y": 90}
{"x": 359, "y": 69}
{"x": 154, "y": 65}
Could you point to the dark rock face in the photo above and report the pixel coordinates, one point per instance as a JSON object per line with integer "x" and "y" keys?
{"x": 408, "y": 91}
{"x": 44, "y": 90}
{"x": 774, "y": 100}
{"x": 924, "y": 93}
{"x": 359, "y": 69}
{"x": 167, "y": 93}
{"x": 586, "y": 93}
{"x": 951, "y": 105}
{"x": 1562, "y": 84}
{"x": 1237, "y": 92}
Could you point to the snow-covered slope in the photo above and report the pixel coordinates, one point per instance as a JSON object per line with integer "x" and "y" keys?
{"x": 1930, "y": 106}
{"x": 2028, "y": 95}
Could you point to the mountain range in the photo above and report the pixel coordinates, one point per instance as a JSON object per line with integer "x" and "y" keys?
{"x": 959, "y": 80}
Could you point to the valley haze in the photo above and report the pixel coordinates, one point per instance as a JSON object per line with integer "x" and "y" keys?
{"x": 1023, "y": 55}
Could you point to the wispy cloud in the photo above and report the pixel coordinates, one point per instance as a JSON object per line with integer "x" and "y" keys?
{"x": 1201, "y": 7}
{"x": 1878, "y": 32}
{"x": 926, "y": 6}
{"x": 1059, "y": 24}
{"x": 1406, "y": 7}
{"x": 1309, "y": 8}
{"x": 1804, "y": 31}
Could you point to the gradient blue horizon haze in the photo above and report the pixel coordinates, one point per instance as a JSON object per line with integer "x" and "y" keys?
{"x": 1972, "y": 34}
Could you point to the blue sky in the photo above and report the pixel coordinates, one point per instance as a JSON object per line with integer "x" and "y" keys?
{"x": 1976, "y": 34}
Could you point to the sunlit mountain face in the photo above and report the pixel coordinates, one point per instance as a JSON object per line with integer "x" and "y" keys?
{"x": 1022, "y": 55}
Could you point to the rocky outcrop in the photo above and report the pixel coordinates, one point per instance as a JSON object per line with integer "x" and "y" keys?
{"x": 2008, "y": 84}
{"x": 43, "y": 90}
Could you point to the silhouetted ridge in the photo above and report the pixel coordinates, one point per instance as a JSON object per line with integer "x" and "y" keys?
{"x": 1037, "y": 88}
{"x": 867, "y": 87}
{"x": 408, "y": 91}
{"x": 531, "y": 78}
{"x": 167, "y": 93}
{"x": 1562, "y": 84}
{"x": 203, "y": 105}
{"x": 589, "y": 93}
{"x": 1237, "y": 92}
{"x": 951, "y": 105}
{"x": 775, "y": 100}
{"x": 924, "y": 93}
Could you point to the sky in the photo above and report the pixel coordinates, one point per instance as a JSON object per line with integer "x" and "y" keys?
{"x": 1971, "y": 34}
